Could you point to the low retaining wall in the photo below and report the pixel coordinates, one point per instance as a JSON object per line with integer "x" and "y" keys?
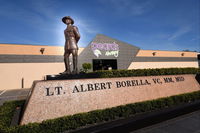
{"x": 57, "y": 98}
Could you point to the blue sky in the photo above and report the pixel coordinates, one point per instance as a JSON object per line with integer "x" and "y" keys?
{"x": 148, "y": 24}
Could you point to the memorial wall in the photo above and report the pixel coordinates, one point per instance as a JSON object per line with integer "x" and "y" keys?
{"x": 56, "y": 98}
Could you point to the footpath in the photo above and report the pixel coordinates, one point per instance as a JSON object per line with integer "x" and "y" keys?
{"x": 178, "y": 119}
{"x": 16, "y": 94}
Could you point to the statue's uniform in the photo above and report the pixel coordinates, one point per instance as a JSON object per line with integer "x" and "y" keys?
{"x": 72, "y": 37}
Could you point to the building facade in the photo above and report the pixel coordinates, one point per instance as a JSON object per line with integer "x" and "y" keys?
{"x": 20, "y": 65}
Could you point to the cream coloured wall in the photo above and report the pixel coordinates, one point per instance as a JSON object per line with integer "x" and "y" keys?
{"x": 159, "y": 53}
{"x": 59, "y": 50}
{"x": 12, "y": 73}
{"x": 143, "y": 65}
{"x": 32, "y": 49}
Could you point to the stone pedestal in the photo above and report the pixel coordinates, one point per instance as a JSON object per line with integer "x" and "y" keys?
{"x": 56, "y": 98}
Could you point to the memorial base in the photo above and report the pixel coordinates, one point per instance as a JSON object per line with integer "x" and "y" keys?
{"x": 56, "y": 98}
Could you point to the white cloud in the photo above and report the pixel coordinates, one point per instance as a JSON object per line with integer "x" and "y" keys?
{"x": 130, "y": 7}
{"x": 195, "y": 38}
{"x": 11, "y": 11}
{"x": 45, "y": 8}
{"x": 179, "y": 33}
{"x": 44, "y": 17}
{"x": 85, "y": 27}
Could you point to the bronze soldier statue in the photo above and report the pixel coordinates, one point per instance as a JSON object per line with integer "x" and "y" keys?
{"x": 72, "y": 37}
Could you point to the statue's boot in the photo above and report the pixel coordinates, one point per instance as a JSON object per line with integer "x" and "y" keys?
{"x": 65, "y": 72}
{"x": 67, "y": 67}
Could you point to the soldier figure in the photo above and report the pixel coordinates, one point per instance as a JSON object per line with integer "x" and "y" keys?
{"x": 72, "y": 37}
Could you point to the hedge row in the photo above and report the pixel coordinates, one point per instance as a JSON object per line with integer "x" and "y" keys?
{"x": 127, "y": 73}
{"x": 82, "y": 119}
{"x": 142, "y": 72}
{"x": 7, "y": 112}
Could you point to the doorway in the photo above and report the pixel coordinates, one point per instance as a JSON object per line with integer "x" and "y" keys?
{"x": 104, "y": 64}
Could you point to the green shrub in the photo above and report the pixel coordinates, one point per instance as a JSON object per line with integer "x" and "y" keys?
{"x": 86, "y": 66}
{"x": 6, "y": 112}
{"x": 141, "y": 72}
{"x": 74, "y": 121}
